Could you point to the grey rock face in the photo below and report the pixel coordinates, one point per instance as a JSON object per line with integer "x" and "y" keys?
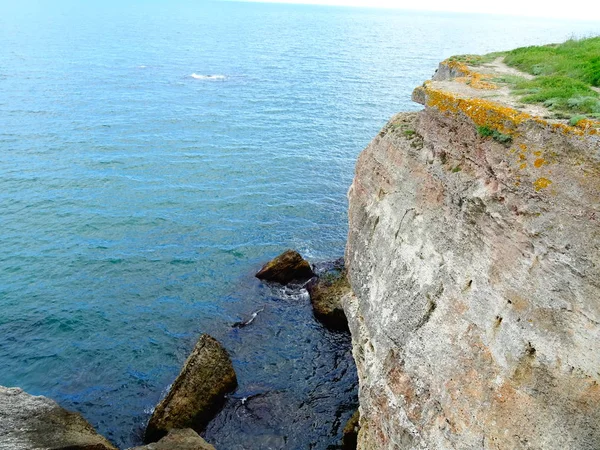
{"x": 31, "y": 422}
{"x": 186, "y": 439}
{"x": 197, "y": 393}
{"x": 285, "y": 268}
{"x": 475, "y": 268}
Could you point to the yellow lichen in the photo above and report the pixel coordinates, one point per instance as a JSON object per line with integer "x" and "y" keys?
{"x": 539, "y": 162}
{"x": 541, "y": 183}
{"x": 470, "y": 77}
{"x": 494, "y": 115}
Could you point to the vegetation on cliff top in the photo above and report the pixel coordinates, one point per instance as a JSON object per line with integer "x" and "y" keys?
{"x": 565, "y": 75}
{"x": 575, "y": 59}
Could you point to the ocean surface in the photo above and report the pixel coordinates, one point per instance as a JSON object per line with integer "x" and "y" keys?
{"x": 153, "y": 154}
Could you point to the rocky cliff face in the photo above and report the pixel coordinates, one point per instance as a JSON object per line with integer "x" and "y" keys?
{"x": 475, "y": 267}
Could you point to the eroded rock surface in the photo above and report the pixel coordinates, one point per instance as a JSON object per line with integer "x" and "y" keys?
{"x": 197, "y": 393}
{"x": 186, "y": 439}
{"x": 30, "y": 422}
{"x": 285, "y": 268}
{"x": 475, "y": 267}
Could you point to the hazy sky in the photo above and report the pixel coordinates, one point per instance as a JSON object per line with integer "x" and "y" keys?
{"x": 568, "y": 9}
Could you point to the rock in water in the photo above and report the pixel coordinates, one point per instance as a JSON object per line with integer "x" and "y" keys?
{"x": 350, "y": 433}
{"x": 197, "y": 393}
{"x": 31, "y": 422}
{"x": 287, "y": 267}
{"x": 325, "y": 296}
{"x": 186, "y": 439}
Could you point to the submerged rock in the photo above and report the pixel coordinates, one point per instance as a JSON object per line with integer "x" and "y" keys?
{"x": 35, "y": 422}
{"x": 198, "y": 392}
{"x": 186, "y": 439}
{"x": 325, "y": 296}
{"x": 350, "y": 433}
{"x": 287, "y": 267}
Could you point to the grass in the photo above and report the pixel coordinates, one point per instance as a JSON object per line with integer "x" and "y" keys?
{"x": 574, "y": 59}
{"x": 476, "y": 60}
{"x": 486, "y": 131}
{"x": 564, "y": 74}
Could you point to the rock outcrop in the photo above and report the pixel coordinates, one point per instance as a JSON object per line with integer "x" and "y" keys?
{"x": 475, "y": 267}
{"x": 350, "y": 432}
{"x": 197, "y": 393}
{"x": 30, "y": 422}
{"x": 285, "y": 268}
{"x": 325, "y": 296}
{"x": 186, "y": 439}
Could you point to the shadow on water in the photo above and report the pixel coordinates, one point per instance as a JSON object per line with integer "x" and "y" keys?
{"x": 297, "y": 380}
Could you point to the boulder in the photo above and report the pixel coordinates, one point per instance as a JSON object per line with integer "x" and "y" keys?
{"x": 35, "y": 422}
{"x": 197, "y": 393}
{"x": 350, "y": 433}
{"x": 186, "y": 439}
{"x": 325, "y": 296}
{"x": 287, "y": 267}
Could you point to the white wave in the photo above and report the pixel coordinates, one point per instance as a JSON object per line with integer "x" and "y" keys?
{"x": 208, "y": 77}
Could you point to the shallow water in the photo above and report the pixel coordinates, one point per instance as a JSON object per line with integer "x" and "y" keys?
{"x": 137, "y": 200}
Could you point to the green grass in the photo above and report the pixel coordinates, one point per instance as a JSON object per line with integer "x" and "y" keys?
{"x": 476, "y": 60}
{"x": 564, "y": 75}
{"x": 486, "y": 131}
{"x": 575, "y": 59}
{"x": 576, "y": 119}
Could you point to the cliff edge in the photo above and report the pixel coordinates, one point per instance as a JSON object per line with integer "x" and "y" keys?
{"x": 474, "y": 259}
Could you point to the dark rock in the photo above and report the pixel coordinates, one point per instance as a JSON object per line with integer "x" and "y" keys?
{"x": 287, "y": 267}
{"x": 31, "y": 422}
{"x": 325, "y": 295}
{"x": 186, "y": 439}
{"x": 350, "y": 433}
{"x": 198, "y": 392}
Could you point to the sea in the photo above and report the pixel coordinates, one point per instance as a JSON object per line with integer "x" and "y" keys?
{"x": 154, "y": 154}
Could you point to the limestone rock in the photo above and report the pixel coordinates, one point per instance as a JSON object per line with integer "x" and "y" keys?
{"x": 285, "y": 268}
{"x": 197, "y": 393}
{"x": 350, "y": 433}
{"x": 35, "y": 422}
{"x": 475, "y": 268}
{"x": 325, "y": 295}
{"x": 186, "y": 439}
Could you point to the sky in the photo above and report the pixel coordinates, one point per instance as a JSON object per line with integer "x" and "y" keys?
{"x": 573, "y": 9}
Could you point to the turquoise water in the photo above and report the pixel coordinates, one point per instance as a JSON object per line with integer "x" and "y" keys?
{"x": 154, "y": 154}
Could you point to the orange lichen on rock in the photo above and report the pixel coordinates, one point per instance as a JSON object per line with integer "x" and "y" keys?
{"x": 539, "y": 162}
{"x": 481, "y": 112}
{"x": 541, "y": 183}
{"x": 470, "y": 77}
{"x": 497, "y": 116}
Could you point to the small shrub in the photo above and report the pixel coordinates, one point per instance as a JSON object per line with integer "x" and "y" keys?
{"x": 502, "y": 138}
{"x": 485, "y": 131}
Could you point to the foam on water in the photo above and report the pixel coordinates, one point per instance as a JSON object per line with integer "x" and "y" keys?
{"x": 208, "y": 77}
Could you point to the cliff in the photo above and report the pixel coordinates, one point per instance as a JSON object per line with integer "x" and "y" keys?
{"x": 474, "y": 258}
